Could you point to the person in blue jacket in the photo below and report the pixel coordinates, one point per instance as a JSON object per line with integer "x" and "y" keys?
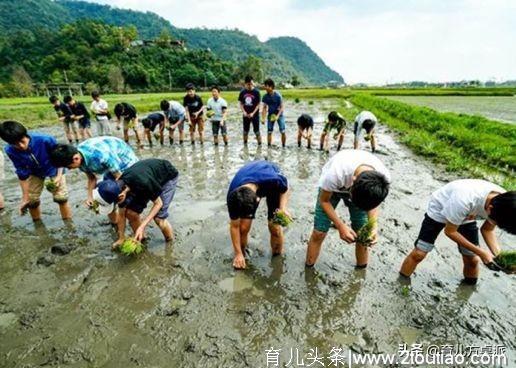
{"x": 254, "y": 181}
{"x": 30, "y": 155}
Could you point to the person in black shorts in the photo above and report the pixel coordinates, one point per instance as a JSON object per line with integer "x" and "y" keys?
{"x": 150, "y": 123}
{"x": 305, "y": 126}
{"x": 127, "y": 115}
{"x": 194, "y": 112}
{"x": 64, "y": 114}
{"x": 249, "y": 99}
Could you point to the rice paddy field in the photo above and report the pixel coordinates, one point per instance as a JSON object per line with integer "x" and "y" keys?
{"x": 68, "y": 301}
{"x": 500, "y": 108}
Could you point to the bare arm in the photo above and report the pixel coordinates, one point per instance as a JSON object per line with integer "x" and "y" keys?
{"x": 487, "y": 231}
{"x": 346, "y": 233}
{"x": 452, "y": 232}
{"x": 157, "y": 204}
{"x": 92, "y": 183}
{"x": 234, "y": 230}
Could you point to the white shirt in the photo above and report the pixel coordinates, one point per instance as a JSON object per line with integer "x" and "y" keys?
{"x": 359, "y": 120}
{"x": 217, "y": 107}
{"x": 175, "y": 111}
{"x": 461, "y": 201}
{"x": 98, "y": 106}
{"x": 337, "y": 174}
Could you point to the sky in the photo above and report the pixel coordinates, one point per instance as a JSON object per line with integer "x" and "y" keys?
{"x": 371, "y": 41}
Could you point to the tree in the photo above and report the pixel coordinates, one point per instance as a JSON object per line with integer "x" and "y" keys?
{"x": 295, "y": 81}
{"x": 116, "y": 79}
{"x": 21, "y": 82}
{"x": 251, "y": 66}
{"x": 164, "y": 38}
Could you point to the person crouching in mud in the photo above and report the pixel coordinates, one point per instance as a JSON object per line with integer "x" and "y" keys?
{"x": 455, "y": 208}
{"x": 361, "y": 181}
{"x": 147, "y": 180}
{"x": 251, "y": 183}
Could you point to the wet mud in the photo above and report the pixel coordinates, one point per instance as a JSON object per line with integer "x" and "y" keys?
{"x": 67, "y": 300}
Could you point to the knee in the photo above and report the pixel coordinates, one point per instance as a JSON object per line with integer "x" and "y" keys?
{"x": 318, "y": 236}
{"x": 34, "y": 204}
{"x": 417, "y": 255}
{"x": 471, "y": 262}
{"x": 275, "y": 230}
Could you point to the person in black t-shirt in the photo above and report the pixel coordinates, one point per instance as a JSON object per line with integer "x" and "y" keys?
{"x": 147, "y": 180}
{"x": 126, "y": 114}
{"x": 64, "y": 115}
{"x": 249, "y": 99}
{"x": 81, "y": 115}
{"x": 305, "y": 126}
{"x": 194, "y": 112}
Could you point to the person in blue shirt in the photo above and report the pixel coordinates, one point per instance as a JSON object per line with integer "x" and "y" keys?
{"x": 107, "y": 156}
{"x": 254, "y": 181}
{"x": 30, "y": 155}
{"x": 273, "y": 112}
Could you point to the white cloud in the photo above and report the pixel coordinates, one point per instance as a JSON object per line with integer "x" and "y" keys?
{"x": 370, "y": 40}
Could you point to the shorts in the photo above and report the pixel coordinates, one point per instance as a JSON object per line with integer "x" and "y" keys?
{"x": 152, "y": 126}
{"x": 167, "y": 195}
{"x": 215, "y": 127}
{"x": 255, "y": 120}
{"x": 130, "y": 123}
{"x": 430, "y": 230}
{"x": 281, "y": 124}
{"x": 199, "y": 121}
{"x": 84, "y": 123}
{"x": 368, "y": 125}
{"x": 302, "y": 127}
{"x": 322, "y": 222}
{"x": 173, "y": 120}
{"x": 36, "y": 185}
{"x": 70, "y": 125}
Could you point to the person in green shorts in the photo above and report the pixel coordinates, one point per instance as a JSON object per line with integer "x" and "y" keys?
{"x": 337, "y": 123}
{"x": 361, "y": 180}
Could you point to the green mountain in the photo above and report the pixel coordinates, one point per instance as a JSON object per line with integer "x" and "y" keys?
{"x": 279, "y": 59}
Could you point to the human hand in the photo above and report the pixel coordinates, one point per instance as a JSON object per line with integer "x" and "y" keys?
{"x": 239, "y": 262}
{"x": 347, "y": 234}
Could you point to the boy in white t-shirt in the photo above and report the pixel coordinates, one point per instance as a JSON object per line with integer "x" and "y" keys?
{"x": 100, "y": 109}
{"x": 455, "y": 208}
{"x": 217, "y": 113}
{"x": 367, "y": 121}
{"x": 361, "y": 180}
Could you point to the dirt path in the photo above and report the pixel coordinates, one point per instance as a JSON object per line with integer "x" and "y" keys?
{"x": 67, "y": 300}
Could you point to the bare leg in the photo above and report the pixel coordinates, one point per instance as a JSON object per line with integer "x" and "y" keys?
{"x": 246, "y": 136}
{"x": 126, "y": 135}
{"x": 181, "y": 136}
{"x": 113, "y": 217}
{"x": 225, "y": 139}
{"x": 276, "y": 238}
{"x": 411, "y": 261}
{"x": 471, "y": 266}
{"x": 341, "y": 140}
{"x": 35, "y": 213}
{"x": 258, "y": 139}
{"x": 361, "y": 255}
{"x": 166, "y": 228}
{"x": 134, "y": 219}
{"x": 1, "y": 202}
{"x": 283, "y": 139}
{"x": 148, "y": 135}
{"x": 299, "y": 136}
{"x": 216, "y": 140}
{"x": 373, "y": 142}
{"x": 314, "y": 247}
{"x": 269, "y": 139}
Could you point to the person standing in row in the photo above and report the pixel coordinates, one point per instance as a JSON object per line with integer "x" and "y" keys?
{"x": 100, "y": 109}
{"x": 272, "y": 112}
{"x": 218, "y": 108}
{"x": 64, "y": 115}
{"x": 81, "y": 115}
{"x": 249, "y": 100}
{"x": 194, "y": 112}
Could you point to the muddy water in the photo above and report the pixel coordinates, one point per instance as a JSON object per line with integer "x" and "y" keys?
{"x": 66, "y": 300}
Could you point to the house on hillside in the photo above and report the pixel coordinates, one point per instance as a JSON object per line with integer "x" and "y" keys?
{"x": 145, "y": 43}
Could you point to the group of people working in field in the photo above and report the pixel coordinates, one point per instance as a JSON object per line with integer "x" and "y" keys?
{"x": 172, "y": 116}
{"x": 121, "y": 186}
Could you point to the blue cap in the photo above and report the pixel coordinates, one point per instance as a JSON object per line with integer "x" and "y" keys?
{"x": 109, "y": 190}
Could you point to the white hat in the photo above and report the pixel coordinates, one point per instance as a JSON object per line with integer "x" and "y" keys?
{"x": 103, "y": 208}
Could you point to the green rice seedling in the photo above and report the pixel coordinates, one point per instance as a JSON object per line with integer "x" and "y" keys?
{"x": 51, "y": 185}
{"x": 131, "y": 247}
{"x": 281, "y": 218}
{"x": 507, "y": 260}
{"x": 310, "y": 102}
{"x": 367, "y": 137}
{"x": 297, "y": 100}
{"x": 365, "y": 233}
{"x": 405, "y": 290}
{"x": 95, "y": 207}
{"x": 273, "y": 117}
{"x": 157, "y": 135}
{"x": 210, "y": 113}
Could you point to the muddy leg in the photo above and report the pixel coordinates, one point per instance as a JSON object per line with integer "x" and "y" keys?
{"x": 126, "y": 135}
{"x": 410, "y": 263}
{"x": 66, "y": 211}
{"x": 314, "y": 247}
{"x": 276, "y": 238}
{"x": 471, "y": 268}
{"x": 361, "y": 255}
{"x": 166, "y": 228}
{"x": 147, "y": 133}
{"x": 283, "y": 139}
{"x": 35, "y": 213}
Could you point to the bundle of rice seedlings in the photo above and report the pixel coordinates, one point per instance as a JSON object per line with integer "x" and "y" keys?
{"x": 365, "y": 234}
{"x": 297, "y": 100}
{"x": 273, "y": 118}
{"x": 367, "y": 137}
{"x": 50, "y": 185}
{"x": 130, "y": 125}
{"x": 507, "y": 260}
{"x": 95, "y": 207}
{"x": 281, "y": 218}
{"x": 131, "y": 247}
{"x": 157, "y": 135}
{"x": 210, "y": 113}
